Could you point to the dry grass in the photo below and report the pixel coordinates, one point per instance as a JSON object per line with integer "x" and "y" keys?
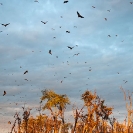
{"x": 96, "y": 120}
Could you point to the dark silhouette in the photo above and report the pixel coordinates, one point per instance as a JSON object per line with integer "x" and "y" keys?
{"x": 5, "y": 24}
{"x": 79, "y": 15}
{"x": 25, "y": 72}
{"x": 36, "y": 1}
{"x": 70, "y": 47}
{"x": 76, "y": 54}
{"x": 65, "y": 1}
{"x": 50, "y": 52}
{"x": 44, "y": 22}
{"x": 4, "y": 93}
{"x": 67, "y": 31}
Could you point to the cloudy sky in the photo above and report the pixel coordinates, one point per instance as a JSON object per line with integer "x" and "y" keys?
{"x": 101, "y": 58}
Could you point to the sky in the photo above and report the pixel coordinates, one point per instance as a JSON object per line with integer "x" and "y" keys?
{"x": 101, "y": 58}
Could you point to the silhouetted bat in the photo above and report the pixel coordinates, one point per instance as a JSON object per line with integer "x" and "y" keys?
{"x": 44, "y": 22}
{"x": 5, "y": 24}
{"x": 4, "y": 93}
{"x": 50, "y": 52}
{"x": 79, "y": 15}
{"x": 76, "y": 54}
{"x": 70, "y": 47}
{"x": 65, "y": 1}
{"x": 67, "y": 31}
{"x": 36, "y": 1}
{"x": 25, "y": 72}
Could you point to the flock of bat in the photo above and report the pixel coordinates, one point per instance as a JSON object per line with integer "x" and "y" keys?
{"x": 66, "y": 1}
{"x": 50, "y": 51}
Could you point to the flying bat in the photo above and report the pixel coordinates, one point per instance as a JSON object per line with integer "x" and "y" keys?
{"x": 5, "y": 24}
{"x": 79, "y": 15}
{"x": 105, "y": 19}
{"x": 131, "y": 2}
{"x": 36, "y": 1}
{"x": 125, "y": 81}
{"x": 70, "y": 47}
{"x": 65, "y": 1}
{"x": 93, "y": 6}
{"x": 67, "y": 31}
{"x": 25, "y": 72}
{"x": 76, "y": 54}
{"x": 50, "y": 52}
{"x": 4, "y": 93}
{"x": 44, "y": 22}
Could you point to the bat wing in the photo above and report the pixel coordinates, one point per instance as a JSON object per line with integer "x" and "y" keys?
{"x": 79, "y": 15}
{"x": 25, "y": 72}
{"x": 65, "y": 1}
{"x": 50, "y": 52}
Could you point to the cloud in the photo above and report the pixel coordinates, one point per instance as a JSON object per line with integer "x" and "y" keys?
{"x": 26, "y": 42}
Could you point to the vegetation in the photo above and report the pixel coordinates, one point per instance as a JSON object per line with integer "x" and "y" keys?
{"x": 93, "y": 117}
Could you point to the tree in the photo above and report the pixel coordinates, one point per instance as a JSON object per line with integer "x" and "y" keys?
{"x": 56, "y": 104}
{"x": 97, "y": 113}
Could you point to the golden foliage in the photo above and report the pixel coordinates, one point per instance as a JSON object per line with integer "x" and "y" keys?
{"x": 96, "y": 120}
